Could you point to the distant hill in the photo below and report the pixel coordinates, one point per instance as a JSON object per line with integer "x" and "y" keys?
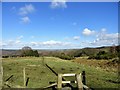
{"x": 87, "y": 51}
{"x": 10, "y": 52}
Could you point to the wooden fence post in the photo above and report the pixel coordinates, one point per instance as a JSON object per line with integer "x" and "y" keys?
{"x": 24, "y": 76}
{"x": 27, "y": 81}
{"x": 9, "y": 78}
{"x": 79, "y": 81}
{"x": 83, "y": 77}
{"x": 59, "y": 84}
{"x": 1, "y": 77}
{"x": 43, "y": 60}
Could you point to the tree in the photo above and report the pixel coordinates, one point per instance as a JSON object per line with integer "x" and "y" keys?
{"x": 27, "y": 51}
{"x": 36, "y": 54}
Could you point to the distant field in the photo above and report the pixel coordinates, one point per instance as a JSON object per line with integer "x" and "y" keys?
{"x": 40, "y": 76}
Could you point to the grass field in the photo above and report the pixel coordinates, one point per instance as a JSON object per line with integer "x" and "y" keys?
{"x": 40, "y": 75}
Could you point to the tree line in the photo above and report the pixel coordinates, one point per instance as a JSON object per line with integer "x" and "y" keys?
{"x": 92, "y": 53}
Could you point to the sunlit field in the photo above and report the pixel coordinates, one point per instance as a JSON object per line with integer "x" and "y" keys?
{"x": 40, "y": 76}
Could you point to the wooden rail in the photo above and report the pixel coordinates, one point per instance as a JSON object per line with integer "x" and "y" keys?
{"x": 57, "y": 75}
{"x": 6, "y": 81}
{"x": 9, "y": 78}
{"x": 24, "y": 76}
{"x": 78, "y": 80}
{"x": 71, "y": 74}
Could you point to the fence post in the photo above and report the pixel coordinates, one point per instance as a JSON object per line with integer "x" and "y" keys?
{"x": 27, "y": 82}
{"x": 24, "y": 76}
{"x": 83, "y": 77}
{"x": 43, "y": 61}
{"x": 59, "y": 84}
{"x": 79, "y": 81}
{"x": 1, "y": 77}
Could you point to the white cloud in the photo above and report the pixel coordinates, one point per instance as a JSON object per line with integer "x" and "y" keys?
{"x": 17, "y": 41}
{"x": 51, "y": 44}
{"x": 102, "y": 38}
{"x": 54, "y": 43}
{"x": 27, "y": 9}
{"x": 11, "y": 43}
{"x": 76, "y": 37}
{"x": 25, "y": 20}
{"x": 88, "y": 32}
{"x": 34, "y": 43}
{"x": 103, "y": 29}
{"x": 106, "y": 39}
{"x": 58, "y": 4}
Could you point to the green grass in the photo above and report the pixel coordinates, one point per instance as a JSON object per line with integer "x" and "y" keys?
{"x": 40, "y": 76}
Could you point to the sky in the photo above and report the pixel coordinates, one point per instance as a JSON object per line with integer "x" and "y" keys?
{"x": 59, "y": 25}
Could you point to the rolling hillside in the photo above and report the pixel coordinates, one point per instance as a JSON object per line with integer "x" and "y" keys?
{"x": 40, "y": 76}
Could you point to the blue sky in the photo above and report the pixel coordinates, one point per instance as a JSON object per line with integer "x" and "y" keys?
{"x": 59, "y": 25}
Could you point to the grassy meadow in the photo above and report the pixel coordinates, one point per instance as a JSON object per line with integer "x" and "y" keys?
{"x": 40, "y": 76}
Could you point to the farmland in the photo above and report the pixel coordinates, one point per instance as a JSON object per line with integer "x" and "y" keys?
{"x": 40, "y": 76}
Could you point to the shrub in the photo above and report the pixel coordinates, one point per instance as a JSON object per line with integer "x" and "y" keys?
{"x": 91, "y": 57}
{"x": 5, "y": 56}
{"x": 65, "y": 56}
{"x": 102, "y": 55}
{"x": 27, "y": 51}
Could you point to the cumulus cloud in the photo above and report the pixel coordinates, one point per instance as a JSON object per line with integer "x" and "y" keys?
{"x": 24, "y": 13}
{"x": 25, "y": 20}
{"x": 12, "y": 43}
{"x": 88, "y": 32}
{"x": 76, "y": 37}
{"x": 50, "y": 43}
{"x": 103, "y": 29}
{"x": 27, "y": 9}
{"x": 102, "y": 38}
{"x": 58, "y": 4}
{"x": 106, "y": 39}
{"x": 34, "y": 43}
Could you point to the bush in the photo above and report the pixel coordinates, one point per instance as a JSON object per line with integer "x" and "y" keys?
{"x": 91, "y": 57}
{"x": 5, "y": 56}
{"x": 102, "y": 55}
{"x": 64, "y": 56}
{"x": 27, "y": 51}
